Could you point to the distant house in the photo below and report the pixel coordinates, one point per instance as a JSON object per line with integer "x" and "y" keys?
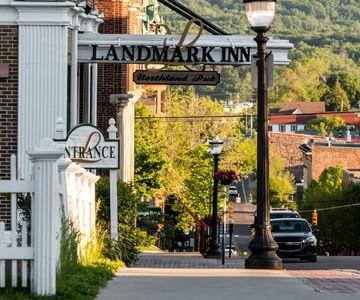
{"x": 294, "y": 116}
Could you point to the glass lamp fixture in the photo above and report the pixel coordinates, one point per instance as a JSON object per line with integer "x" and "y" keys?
{"x": 216, "y": 146}
{"x": 260, "y": 13}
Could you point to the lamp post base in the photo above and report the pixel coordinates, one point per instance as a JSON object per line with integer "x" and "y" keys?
{"x": 263, "y": 251}
{"x": 264, "y": 260}
{"x": 213, "y": 251}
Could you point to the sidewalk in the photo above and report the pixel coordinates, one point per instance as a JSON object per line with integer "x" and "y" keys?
{"x": 179, "y": 276}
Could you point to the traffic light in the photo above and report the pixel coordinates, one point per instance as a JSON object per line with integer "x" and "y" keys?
{"x": 230, "y": 210}
{"x": 314, "y": 218}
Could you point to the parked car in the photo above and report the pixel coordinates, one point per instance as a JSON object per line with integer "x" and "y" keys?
{"x": 295, "y": 238}
{"x": 283, "y": 213}
{"x": 233, "y": 190}
{"x": 234, "y": 251}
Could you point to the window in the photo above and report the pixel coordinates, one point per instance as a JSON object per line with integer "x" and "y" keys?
{"x": 293, "y": 128}
{"x": 282, "y": 128}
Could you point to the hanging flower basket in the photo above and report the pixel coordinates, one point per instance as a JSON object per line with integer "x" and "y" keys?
{"x": 226, "y": 177}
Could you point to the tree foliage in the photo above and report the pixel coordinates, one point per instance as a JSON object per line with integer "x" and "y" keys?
{"x": 150, "y": 150}
{"x": 189, "y": 176}
{"x": 336, "y": 99}
{"x": 338, "y": 217}
{"x": 326, "y": 125}
{"x": 327, "y": 46}
{"x": 281, "y": 186}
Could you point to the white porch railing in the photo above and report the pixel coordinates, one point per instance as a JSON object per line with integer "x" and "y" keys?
{"x": 59, "y": 191}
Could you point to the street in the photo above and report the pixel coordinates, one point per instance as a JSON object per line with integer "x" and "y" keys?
{"x": 325, "y": 263}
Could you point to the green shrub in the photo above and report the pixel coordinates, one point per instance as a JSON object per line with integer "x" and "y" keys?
{"x": 125, "y": 248}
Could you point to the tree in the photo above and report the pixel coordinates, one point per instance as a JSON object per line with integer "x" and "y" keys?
{"x": 189, "y": 175}
{"x": 150, "y": 150}
{"x": 348, "y": 81}
{"x": 330, "y": 180}
{"x": 242, "y": 156}
{"x": 338, "y": 218}
{"x": 281, "y": 186}
{"x": 326, "y": 125}
{"x": 336, "y": 99}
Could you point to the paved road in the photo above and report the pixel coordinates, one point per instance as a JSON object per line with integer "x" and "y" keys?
{"x": 178, "y": 276}
{"x": 325, "y": 263}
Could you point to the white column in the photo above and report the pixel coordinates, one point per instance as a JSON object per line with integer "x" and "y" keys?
{"x": 43, "y": 49}
{"x": 126, "y": 124}
{"x": 45, "y": 216}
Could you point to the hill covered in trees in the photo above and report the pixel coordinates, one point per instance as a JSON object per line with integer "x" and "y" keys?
{"x": 325, "y": 61}
{"x": 333, "y": 23}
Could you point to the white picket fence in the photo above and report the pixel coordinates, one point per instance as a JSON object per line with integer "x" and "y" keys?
{"x": 59, "y": 191}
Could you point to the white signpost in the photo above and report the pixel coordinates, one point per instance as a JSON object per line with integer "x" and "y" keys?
{"x": 86, "y": 145}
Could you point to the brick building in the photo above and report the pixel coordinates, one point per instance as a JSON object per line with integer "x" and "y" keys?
{"x": 38, "y": 76}
{"x": 42, "y": 80}
{"x": 321, "y": 155}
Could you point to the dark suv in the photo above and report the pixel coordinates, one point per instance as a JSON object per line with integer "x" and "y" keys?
{"x": 295, "y": 238}
{"x": 283, "y": 213}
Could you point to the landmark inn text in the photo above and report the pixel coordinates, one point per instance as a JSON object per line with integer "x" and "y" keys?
{"x": 167, "y": 54}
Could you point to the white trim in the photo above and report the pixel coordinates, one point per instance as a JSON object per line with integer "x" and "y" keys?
{"x": 17, "y": 253}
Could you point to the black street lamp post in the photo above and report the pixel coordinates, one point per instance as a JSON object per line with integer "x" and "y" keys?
{"x": 260, "y": 14}
{"x": 214, "y": 248}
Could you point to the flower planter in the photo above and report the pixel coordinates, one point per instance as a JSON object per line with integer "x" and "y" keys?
{"x": 225, "y": 177}
{"x": 226, "y": 181}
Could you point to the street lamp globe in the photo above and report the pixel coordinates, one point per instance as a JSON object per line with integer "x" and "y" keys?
{"x": 215, "y": 146}
{"x": 260, "y": 14}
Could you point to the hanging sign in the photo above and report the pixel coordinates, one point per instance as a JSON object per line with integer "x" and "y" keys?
{"x": 85, "y": 144}
{"x": 174, "y": 49}
{"x": 176, "y": 77}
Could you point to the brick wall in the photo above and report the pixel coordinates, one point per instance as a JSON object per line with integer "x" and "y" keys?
{"x": 324, "y": 157}
{"x": 112, "y": 79}
{"x": 8, "y": 108}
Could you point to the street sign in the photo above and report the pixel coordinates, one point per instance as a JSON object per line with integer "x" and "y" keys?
{"x": 176, "y": 77}
{"x": 269, "y": 70}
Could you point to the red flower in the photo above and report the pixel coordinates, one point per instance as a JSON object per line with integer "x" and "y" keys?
{"x": 226, "y": 177}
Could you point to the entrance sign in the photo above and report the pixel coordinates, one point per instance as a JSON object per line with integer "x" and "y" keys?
{"x": 176, "y": 77}
{"x": 169, "y": 49}
{"x": 86, "y": 145}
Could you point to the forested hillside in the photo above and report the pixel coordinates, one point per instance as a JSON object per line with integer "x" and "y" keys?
{"x": 325, "y": 61}
{"x": 334, "y": 23}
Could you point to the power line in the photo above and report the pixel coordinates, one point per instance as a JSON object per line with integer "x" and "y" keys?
{"x": 330, "y": 208}
{"x": 197, "y": 117}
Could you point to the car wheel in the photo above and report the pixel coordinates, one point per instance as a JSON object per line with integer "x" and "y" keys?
{"x": 313, "y": 259}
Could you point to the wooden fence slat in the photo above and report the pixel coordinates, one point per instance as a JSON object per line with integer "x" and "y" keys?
{"x": 14, "y": 270}
{"x": 24, "y": 269}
